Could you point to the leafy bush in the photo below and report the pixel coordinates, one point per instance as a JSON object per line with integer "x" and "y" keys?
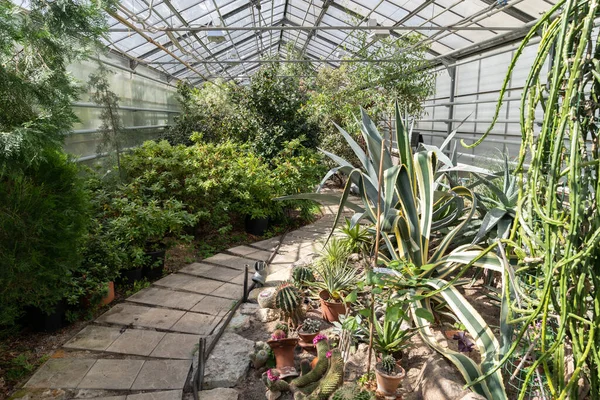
{"x": 219, "y": 183}
{"x": 43, "y": 217}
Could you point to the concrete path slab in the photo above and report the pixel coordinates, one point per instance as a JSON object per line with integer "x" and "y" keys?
{"x": 129, "y": 314}
{"x": 268, "y": 244}
{"x": 139, "y": 342}
{"x": 199, "y": 324}
{"x": 163, "y": 395}
{"x": 229, "y": 291}
{"x": 162, "y": 374}
{"x": 65, "y": 373}
{"x": 223, "y": 274}
{"x": 251, "y": 253}
{"x": 214, "y": 306}
{"x": 166, "y": 298}
{"x": 112, "y": 374}
{"x": 94, "y": 337}
{"x": 177, "y": 346}
{"x": 229, "y": 260}
{"x": 189, "y": 283}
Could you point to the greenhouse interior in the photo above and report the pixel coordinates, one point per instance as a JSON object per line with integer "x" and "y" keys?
{"x": 299, "y": 199}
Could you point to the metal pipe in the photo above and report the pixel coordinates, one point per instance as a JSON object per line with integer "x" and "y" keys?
{"x": 128, "y": 108}
{"x": 310, "y": 28}
{"x": 131, "y": 128}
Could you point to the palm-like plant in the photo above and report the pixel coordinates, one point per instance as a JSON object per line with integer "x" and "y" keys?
{"x": 415, "y": 207}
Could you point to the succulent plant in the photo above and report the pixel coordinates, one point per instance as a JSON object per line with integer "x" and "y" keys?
{"x": 352, "y": 391}
{"x": 259, "y": 358}
{"x": 332, "y": 380}
{"x": 273, "y": 382}
{"x": 311, "y": 325}
{"x": 302, "y": 275}
{"x": 289, "y": 300}
{"x": 319, "y": 370}
{"x": 388, "y": 365}
{"x": 282, "y": 327}
{"x": 278, "y": 334}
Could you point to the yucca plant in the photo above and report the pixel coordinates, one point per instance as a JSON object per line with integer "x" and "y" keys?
{"x": 415, "y": 206}
{"x": 334, "y": 273}
{"x": 390, "y": 337}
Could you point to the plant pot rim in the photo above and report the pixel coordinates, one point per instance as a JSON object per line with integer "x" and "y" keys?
{"x": 300, "y": 327}
{"x": 283, "y": 342}
{"x": 401, "y": 373}
{"x": 326, "y": 299}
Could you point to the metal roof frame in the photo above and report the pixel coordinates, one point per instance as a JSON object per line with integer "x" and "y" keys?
{"x": 171, "y": 36}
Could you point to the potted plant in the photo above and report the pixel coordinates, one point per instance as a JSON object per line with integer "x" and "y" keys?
{"x": 389, "y": 375}
{"x": 390, "y": 338}
{"x": 308, "y": 330}
{"x": 336, "y": 278}
{"x": 283, "y": 350}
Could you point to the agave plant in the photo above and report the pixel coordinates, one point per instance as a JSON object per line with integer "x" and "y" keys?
{"x": 390, "y": 336}
{"x": 414, "y": 207}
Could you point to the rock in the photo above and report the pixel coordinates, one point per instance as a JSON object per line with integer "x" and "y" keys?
{"x": 228, "y": 362}
{"x": 253, "y": 294}
{"x": 272, "y": 395}
{"x": 266, "y": 298}
{"x": 248, "y": 309}
{"x": 440, "y": 380}
{"x": 239, "y": 322}
{"x": 267, "y": 314}
{"x": 219, "y": 394}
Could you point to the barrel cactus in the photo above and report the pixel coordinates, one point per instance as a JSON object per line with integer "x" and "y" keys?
{"x": 289, "y": 300}
{"x": 388, "y": 365}
{"x": 302, "y": 275}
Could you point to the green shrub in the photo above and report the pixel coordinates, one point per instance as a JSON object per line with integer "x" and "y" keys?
{"x": 43, "y": 217}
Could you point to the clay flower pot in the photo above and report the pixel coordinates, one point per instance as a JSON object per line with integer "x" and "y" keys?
{"x": 388, "y": 384}
{"x": 110, "y": 296}
{"x": 283, "y": 349}
{"x": 306, "y": 338}
{"x": 331, "y": 310}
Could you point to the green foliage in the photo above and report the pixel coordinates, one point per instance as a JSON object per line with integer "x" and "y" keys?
{"x": 390, "y": 338}
{"x": 43, "y": 217}
{"x": 137, "y": 286}
{"x": 333, "y": 271}
{"x": 36, "y": 46}
{"x": 388, "y": 365}
{"x": 556, "y": 234}
{"x": 357, "y": 238}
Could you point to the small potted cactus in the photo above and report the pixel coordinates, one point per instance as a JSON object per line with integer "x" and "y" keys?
{"x": 389, "y": 375}
{"x": 308, "y": 330}
{"x": 283, "y": 349}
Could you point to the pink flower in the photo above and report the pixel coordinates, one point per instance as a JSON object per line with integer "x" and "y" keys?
{"x": 328, "y": 355}
{"x": 272, "y": 375}
{"x": 318, "y": 338}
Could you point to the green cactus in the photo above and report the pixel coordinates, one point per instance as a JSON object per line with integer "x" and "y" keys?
{"x": 319, "y": 370}
{"x": 332, "y": 380}
{"x": 351, "y": 391}
{"x": 282, "y": 327}
{"x": 279, "y": 386}
{"x": 308, "y": 389}
{"x": 289, "y": 300}
{"x": 388, "y": 365}
{"x": 259, "y": 358}
{"x": 302, "y": 275}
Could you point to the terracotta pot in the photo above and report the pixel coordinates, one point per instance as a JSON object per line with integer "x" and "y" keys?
{"x": 331, "y": 311}
{"x": 388, "y": 384}
{"x": 450, "y": 333}
{"x": 283, "y": 349}
{"x": 306, "y": 337}
{"x": 110, "y": 296}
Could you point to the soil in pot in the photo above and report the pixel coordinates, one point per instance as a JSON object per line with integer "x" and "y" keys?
{"x": 283, "y": 349}
{"x": 331, "y": 310}
{"x": 153, "y": 270}
{"x": 256, "y": 226}
{"x": 388, "y": 384}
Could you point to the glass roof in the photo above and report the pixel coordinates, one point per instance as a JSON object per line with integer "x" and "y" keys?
{"x": 180, "y": 37}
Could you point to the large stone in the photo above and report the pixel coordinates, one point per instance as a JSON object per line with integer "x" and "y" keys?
{"x": 267, "y": 314}
{"x": 166, "y": 395}
{"x": 228, "y": 362}
{"x": 439, "y": 380}
{"x": 219, "y": 394}
{"x": 239, "y": 322}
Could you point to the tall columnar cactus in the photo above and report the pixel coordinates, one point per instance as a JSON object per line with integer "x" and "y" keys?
{"x": 352, "y": 391}
{"x": 302, "y": 275}
{"x": 332, "y": 380}
{"x": 289, "y": 299}
{"x": 320, "y": 369}
{"x": 273, "y": 382}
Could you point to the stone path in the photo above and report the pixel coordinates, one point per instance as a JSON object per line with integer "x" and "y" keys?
{"x": 143, "y": 348}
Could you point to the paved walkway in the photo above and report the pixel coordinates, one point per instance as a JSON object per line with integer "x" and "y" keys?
{"x": 143, "y": 348}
